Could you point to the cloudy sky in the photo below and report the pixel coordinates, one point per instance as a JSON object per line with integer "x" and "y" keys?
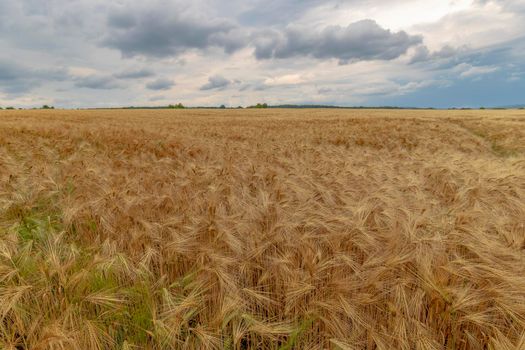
{"x": 97, "y": 53}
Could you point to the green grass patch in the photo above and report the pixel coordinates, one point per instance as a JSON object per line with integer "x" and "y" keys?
{"x": 295, "y": 336}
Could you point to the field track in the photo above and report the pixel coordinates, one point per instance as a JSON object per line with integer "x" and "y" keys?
{"x": 262, "y": 229}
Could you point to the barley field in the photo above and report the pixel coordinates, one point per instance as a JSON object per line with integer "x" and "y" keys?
{"x": 262, "y": 229}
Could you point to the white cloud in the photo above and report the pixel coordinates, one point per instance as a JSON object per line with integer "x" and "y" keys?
{"x": 467, "y": 70}
{"x": 289, "y": 79}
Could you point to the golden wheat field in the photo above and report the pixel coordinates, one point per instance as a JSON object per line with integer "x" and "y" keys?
{"x": 262, "y": 229}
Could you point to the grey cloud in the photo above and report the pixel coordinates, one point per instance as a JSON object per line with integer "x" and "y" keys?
{"x": 363, "y": 40}
{"x": 216, "y": 82}
{"x": 161, "y": 31}
{"x": 323, "y": 91}
{"x": 160, "y": 84}
{"x": 61, "y": 27}
{"x": 448, "y": 57}
{"x": 121, "y": 20}
{"x": 18, "y": 87}
{"x": 135, "y": 74}
{"x": 448, "y": 51}
{"x": 258, "y": 85}
{"x": 423, "y": 54}
{"x": 37, "y": 36}
{"x": 98, "y": 82}
{"x": 266, "y": 42}
{"x": 166, "y": 31}
{"x": 15, "y": 78}
{"x": 10, "y": 71}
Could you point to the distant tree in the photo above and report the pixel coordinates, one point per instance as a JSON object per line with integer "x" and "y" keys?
{"x": 481, "y": 107}
{"x": 177, "y": 106}
{"x": 10, "y": 108}
{"x": 222, "y": 107}
{"x": 1, "y": 108}
{"x": 259, "y": 105}
{"x": 47, "y": 107}
{"x": 240, "y": 107}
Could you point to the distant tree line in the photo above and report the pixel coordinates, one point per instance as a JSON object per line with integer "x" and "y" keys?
{"x": 259, "y": 105}
{"x": 43, "y": 107}
{"x": 265, "y": 105}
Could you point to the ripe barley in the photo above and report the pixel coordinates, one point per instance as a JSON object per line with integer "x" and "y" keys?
{"x": 263, "y": 229}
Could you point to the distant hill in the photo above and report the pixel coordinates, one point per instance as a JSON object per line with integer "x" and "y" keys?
{"x": 268, "y": 106}
{"x": 293, "y": 106}
{"x": 338, "y": 107}
{"x": 514, "y": 106}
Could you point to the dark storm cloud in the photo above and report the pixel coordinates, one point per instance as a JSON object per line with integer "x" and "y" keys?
{"x": 363, "y": 40}
{"x": 160, "y": 84}
{"x": 165, "y": 31}
{"x": 97, "y": 82}
{"x": 135, "y": 74}
{"x": 216, "y": 82}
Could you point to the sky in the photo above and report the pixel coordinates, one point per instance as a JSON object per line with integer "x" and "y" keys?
{"x": 408, "y": 53}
